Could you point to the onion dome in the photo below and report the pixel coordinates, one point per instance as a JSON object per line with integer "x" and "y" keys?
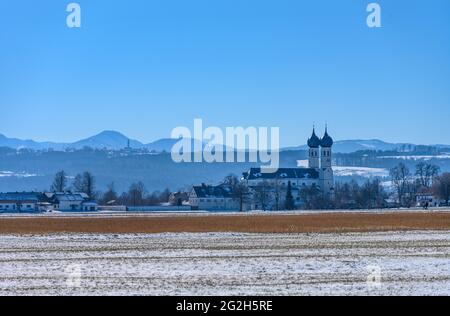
{"x": 314, "y": 141}
{"x": 326, "y": 141}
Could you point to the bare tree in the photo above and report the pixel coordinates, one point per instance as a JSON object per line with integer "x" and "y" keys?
{"x": 290, "y": 203}
{"x": 426, "y": 173}
{"x": 277, "y": 189}
{"x": 77, "y": 184}
{"x": 110, "y": 195}
{"x": 442, "y": 187}
{"x": 261, "y": 195}
{"x": 89, "y": 184}
{"x": 372, "y": 195}
{"x": 231, "y": 180}
{"x": 165, "y": 195}
{"x": 85, "y": 183}
{"x": 136, "y": 194}
{"x": 60, "y": 182}
{"x": 239, "y": 190}
{"x": 312, "y": 197}
{"x": 401, "y": 178}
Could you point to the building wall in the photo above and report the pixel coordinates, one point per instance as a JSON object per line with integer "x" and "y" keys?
{"x": 214, "y": 204}
{"x": 284, "y": 182}
{"x": 327, "y": 180}
{"x": 70, "y": 206}
{"x": 314, "y": 158}
{"x": 7, "y": 206}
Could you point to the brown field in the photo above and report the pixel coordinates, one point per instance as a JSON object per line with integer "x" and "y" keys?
{"x": 270, "y": 223}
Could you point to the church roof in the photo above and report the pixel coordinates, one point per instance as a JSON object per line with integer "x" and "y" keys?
{"x": 326, "y": 140}
{"x": 21, "y": 197}
{"x": 282, "y": 173}
{"x": 209, "y": 191}
{"x": 314, "y": 141}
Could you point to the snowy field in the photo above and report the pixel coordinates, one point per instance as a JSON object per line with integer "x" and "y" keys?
{"x": 226, "y": 264}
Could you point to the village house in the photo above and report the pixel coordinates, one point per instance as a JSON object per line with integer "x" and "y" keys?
{"x": 213, "y": 198}
{"x": 178, "y": 198}
{"x": 70, "y": 202}
{"x": 426, "y": 196}
{"x": 46, "y": 202}
{"x": 22, "y": 201}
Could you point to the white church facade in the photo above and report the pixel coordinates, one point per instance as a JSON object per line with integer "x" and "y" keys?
{"x": 268, "y": 191}
{"x": 320, "y": 159}
{"x": 318, "y": 173}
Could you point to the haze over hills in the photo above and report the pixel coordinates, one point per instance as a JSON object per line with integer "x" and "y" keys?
{"x": 34, "y": 170}
{"x": 105, "y": 140}
{"x": 114, "y": 140}
{"x": 350, "y": 146}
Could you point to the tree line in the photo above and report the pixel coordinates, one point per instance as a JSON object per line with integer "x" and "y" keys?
{"x": 425, "y": 179}
{"x": 372, "y": 194}
{"x": 137, "y": 194}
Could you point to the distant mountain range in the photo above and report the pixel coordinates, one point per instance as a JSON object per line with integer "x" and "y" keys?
{"x": 115, "y": 141}
{"x": 108, "y": 139}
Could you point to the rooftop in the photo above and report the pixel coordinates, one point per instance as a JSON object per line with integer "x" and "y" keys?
{"x": 282, "y": 173}
{"x": 206, "y": 191}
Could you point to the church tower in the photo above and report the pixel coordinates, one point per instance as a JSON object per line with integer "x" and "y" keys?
{"x": 314, "y": 151}
{"x": 326, "y": 143}
{"x": 327, "y": 177}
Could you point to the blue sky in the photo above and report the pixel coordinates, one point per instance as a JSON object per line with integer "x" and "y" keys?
{"x": 143, "y": 67}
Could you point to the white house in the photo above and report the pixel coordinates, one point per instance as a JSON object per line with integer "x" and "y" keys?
{"x": 427, "y": 197}
{"x": 21, "y": 201}
{"x": 69, "y": 202}
{"x": 213, "y": 198}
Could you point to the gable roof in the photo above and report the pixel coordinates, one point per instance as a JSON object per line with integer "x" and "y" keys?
{"x": 72, "y": 197}
{"x": 21, "y": 197}
{"x": 282, "y": 173}
{"x": 208, "y": 191}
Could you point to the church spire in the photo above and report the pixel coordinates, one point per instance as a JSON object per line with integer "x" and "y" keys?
{"x": 314, "y": 141}
{"x": 326, "y": 140}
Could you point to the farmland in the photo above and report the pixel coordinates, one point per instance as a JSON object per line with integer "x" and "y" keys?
{"x": 381, "y": 263}
{"x": 276, "y": 222}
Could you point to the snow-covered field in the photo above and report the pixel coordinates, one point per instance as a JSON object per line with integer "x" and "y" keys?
{"x": 360, "y": 171}
{"x": 426, "y": 158}
{"x": 348, "y": 171}
{"x": 227, "y": 264}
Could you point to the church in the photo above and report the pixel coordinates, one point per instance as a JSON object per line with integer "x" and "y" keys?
{"x": 268, "y": 191}
{"x": 319, "y": 172}
{"x": 320, "y": 159}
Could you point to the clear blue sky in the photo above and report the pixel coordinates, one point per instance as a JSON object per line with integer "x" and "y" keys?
{"x": 143, "y": 67}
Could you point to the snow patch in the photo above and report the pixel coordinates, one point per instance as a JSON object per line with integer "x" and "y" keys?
{"x": 361, "y": 171}
{"x": 11, "y": 174}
